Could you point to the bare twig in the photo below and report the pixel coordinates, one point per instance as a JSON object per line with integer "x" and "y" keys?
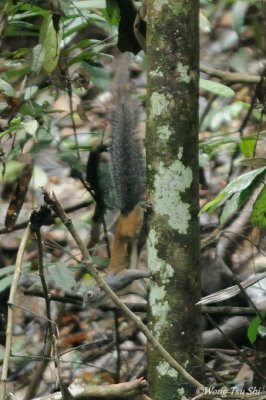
{"x": 52, "y": 201}
{"x": 43, "y": 281}
{"x": 117, "y": 345}
{"x": 212, "y": 372}
{"x": 241, "y": 354}
{"x": 45, "y": 359}
{"x": 228, "y": 310}
{"x": 230, "y": 77}
{"x": 38, "y": 217}
{"x": 11, "y": 302}
{"x": 23, "y": 225}
{"x": 126, "y": 390}
{"x": 70, "y": 95}
{"x": 77, "y": 299}
{"x": 38, "y": 373}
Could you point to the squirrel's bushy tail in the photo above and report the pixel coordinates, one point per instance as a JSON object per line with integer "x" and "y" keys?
{"x": 126, "y": 153}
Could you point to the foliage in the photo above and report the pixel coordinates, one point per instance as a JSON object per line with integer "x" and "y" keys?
{"x": 237, "y": 192}
{"x": 49, "y": 49}
{"x": 256, "y": 328}
{"x": 42, "y": 45}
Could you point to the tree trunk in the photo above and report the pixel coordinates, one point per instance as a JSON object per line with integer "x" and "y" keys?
{"x": 172, "y": 163}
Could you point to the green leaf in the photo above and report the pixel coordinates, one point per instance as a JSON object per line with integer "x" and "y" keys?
{"x": 214, "y": 204}
{"x": 32, "y": 9}
{"x": 247, "y": 146}
{"x": 7, "y": 270}
{"x": 17, "y": 28}
{"x": 216, "y": 88}
{"x": 30, "y": 92}
{"x": 111, "y": 7}
{"x": 240, "y": 184}
{"x": 74, "y": 26}
{"x": 31, "y": 127}
{"x": 253, "y": 162}
{"x": 7, "y": 89}
{"x": 258, "y": 215}
{"x": 209, "y": 146}
{"x": 11, "y": 268}
{"x": 239, "y": 10}
{"x": 99, "y": 76}
{"x": 230, "y": 207}
{"x": 225, "y": 114}
{"x": 41, "y": 144}
{"x": 113, "y": 12}
{"x": 62, "y": 276}
{"x": 14, "y": 124}
{"x": 50, "y": 39}
{"x": 38, "y": 56}
{"x": 103, "y": 261}
{"x": 72, "y": 160}
{"x": 11, "y": 170}
{"x": 64, "y": 6}
{"x": 39, "y": 178}
{"x": 204, "y": 23}
{"x": 262, "y": 331}
{"x": 258, "y": 115}
{"x": 254, "y": 328}
{"x": 203, "y": 159}
{"x": 89, "y": 4}
{"x": 84, "y": 56}
{"x": 233, "y": 203}
{"x": 5, "y": 282}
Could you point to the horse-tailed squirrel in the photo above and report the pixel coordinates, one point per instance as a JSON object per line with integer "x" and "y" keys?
{"x": 128, "y": 174}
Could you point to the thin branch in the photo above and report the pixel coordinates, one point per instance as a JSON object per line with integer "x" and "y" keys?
{"x": 37, "y": 219}
{"x": 11, "y": 301}
{"x": 206, "y": 110}
{"x": 117, "y": 345}
{"x": 125, "y": 390}
{"x": 23, "y": 225}
{"x": 230, "y": 77}
{"x": 43, "y": 281}
{"x": 38, "y": 373}
{"x": 211, "y": 371}
{"x": 77, "y": 299}
{"x": 241, "y": 354}
{"x": 52, "y": 201}
{"x": 70, "y": 95}
{"x": 227, "y": 310}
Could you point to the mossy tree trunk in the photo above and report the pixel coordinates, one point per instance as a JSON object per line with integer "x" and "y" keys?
{"x": 172, "y": 162}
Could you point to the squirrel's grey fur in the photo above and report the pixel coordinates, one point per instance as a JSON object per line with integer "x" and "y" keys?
{"x": 126, "y": 153}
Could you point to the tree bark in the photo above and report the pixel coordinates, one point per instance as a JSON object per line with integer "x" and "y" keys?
{"x": 172, "y": 173}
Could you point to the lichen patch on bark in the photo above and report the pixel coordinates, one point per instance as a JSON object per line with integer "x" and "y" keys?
{"x": 183, "y": 73}
{"x": 156, "y": 73}
{"x": 159, "y": 306}
{"x": 158, "y": 5}
{"x": 160, "y": 104}
{"x": 164, "y": 132}
{"x": 164, "y": 369}
{"x": 170, "y": 182}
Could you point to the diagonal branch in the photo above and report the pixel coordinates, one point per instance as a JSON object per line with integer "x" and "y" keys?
{"x": 11, "y": 302}
{"x": 54, "y": 204}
